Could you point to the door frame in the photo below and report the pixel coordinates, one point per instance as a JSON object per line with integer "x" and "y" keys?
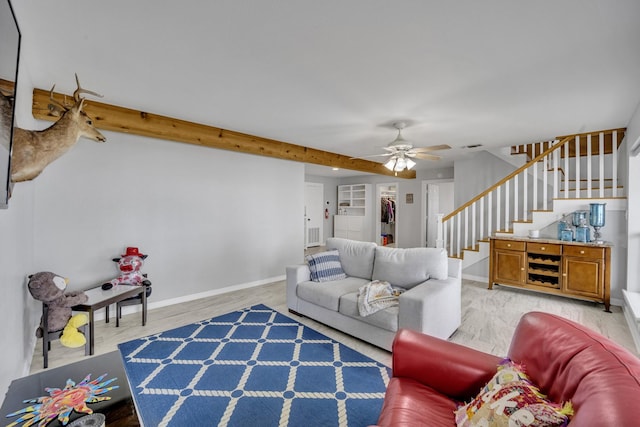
{"x": 378, "y": 217}
{"x": 423, "y": 207}
{"x": 319, "y": 186}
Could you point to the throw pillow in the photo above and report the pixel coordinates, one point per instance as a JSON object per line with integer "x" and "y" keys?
{"x": 511, "y": 399}
{"x": 325, "y": 266}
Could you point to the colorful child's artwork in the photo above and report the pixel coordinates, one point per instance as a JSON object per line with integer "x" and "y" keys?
{"x": 61, "y": 402}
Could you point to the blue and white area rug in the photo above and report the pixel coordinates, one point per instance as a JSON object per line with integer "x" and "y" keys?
{"x": 253, "y": 367}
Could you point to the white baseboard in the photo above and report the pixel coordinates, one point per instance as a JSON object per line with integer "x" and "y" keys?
{"x": 186, "y": 298}
{"x": 475, "y": 278}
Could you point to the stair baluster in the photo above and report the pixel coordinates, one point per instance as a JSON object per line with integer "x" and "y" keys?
{"x": 481, "y": 217}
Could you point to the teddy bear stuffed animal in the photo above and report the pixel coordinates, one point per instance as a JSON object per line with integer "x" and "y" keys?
{"x": 49, "y": 288}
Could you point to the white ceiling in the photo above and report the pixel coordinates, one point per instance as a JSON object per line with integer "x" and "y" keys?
{"x": 335, "y": 75}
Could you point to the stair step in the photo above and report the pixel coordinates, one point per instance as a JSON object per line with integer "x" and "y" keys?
{"x": 587, "y": 199}
{"x": 605, "y": 188}
{"x": 592, "y": 180}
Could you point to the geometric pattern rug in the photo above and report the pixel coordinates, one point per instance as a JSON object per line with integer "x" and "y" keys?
{"x": 252, "y": 367}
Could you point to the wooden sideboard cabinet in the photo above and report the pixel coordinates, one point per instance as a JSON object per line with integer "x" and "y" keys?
{"x": 572, "y": 269}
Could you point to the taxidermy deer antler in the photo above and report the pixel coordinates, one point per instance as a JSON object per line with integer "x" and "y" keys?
{"x": 34, "y": 150}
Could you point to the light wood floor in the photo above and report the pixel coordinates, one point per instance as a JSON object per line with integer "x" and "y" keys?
{"x": 488, "y": 320}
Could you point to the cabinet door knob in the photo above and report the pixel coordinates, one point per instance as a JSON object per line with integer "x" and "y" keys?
{"x": 542, "y": 248}
{"x": 582, "y": 252}
{"x": 522, "y": 269}
{"x": 564, "y": 274}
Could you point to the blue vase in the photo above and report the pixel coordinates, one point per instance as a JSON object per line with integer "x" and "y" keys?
{"x": 582, "y": 233}
{"x": 567, "y": 234}
{"x": 578, "y": 216}
{"x": 596, "y": 214}
{"x": 562, "y": 225}
{"x": 596, "y": 219}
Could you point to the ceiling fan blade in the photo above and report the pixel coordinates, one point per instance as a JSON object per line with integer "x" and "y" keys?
{"x": 373, "y": 155}
{"x": 432, "y": 148}
{"x": 425, "y": 156}
{"x": 390, "y": 148}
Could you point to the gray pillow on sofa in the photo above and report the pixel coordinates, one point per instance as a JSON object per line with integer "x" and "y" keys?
{"x": 410, "y": 267}
{"x": 356, "y": 257}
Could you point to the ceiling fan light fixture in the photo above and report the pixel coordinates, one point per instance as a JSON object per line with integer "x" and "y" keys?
{"x": 401, "y": 163}
{"x": 390, "y": 164}
{"x": 398, "y": 164}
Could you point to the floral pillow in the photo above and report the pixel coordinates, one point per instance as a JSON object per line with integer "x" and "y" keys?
{"x": 510, "y": 399}
{"x": 325, "y": 266}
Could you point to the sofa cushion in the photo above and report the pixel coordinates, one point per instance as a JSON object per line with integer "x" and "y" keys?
{"x": 325, "y": 266}
{"x": 410, "y": 267}
{"x": 356, "y": 257}
{"x": 327, "y": 294}
{"x": 510, "y": 398}
{"x": 385, "y": 319}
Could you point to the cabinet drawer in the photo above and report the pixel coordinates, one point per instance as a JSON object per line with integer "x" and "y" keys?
{"x": 512, "y": 245}
{"x": 584, "y": 251}
{"x": 544, "y": 248}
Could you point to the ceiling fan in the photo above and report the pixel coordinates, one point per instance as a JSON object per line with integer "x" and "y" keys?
{"x": 401, "y": 152}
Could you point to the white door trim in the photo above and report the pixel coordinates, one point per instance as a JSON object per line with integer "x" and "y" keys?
{"x": 376, "y": 205}
{"x": 314, "y": 221}
{"x": 423, "y": 207}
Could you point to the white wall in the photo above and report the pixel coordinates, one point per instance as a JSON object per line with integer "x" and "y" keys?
{"x": 209, "y": 220}
{"x": 474, "y": 175}
{"x": 633, "y": 201}
{"x": 16, "y": 260}
{"x": 16, "y": 248}
{"x": 409, "y": 213}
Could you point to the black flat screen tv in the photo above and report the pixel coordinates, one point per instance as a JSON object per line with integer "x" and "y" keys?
{"x": 9, "y": 56}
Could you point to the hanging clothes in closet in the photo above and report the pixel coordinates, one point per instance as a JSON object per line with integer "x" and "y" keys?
{"x": 387, "y": 210}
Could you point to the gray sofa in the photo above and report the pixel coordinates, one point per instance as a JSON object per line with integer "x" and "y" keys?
{"x": 431, "y": 304}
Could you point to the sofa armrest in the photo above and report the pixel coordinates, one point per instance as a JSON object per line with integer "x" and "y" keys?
{"x": 449, "y": 368}
{"x": 295, "y": 274}
{"x": 455, "y": 268}
{"x": 433, "y": 307}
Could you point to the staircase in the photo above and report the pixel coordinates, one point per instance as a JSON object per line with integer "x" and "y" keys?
{"x": 561, "y": 176}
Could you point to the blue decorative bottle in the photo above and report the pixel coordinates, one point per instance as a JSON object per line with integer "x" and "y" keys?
{"x": 582, "y": 232}
{"x": 567, "y": 234}
{"x": 562, "y": 225}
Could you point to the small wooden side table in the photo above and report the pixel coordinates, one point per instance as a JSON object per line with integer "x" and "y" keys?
{"x": 99, "y": 298}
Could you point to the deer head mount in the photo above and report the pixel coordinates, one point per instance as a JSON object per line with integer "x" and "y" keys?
{"x": 34, "y": 150}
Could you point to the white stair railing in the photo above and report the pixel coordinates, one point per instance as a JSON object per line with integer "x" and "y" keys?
{"x": 534, "y": 186}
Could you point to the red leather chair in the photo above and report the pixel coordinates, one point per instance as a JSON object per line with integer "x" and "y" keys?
{"x": 567, "y": 361}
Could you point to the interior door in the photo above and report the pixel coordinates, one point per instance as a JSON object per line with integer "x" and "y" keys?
{"x": 433, "y": 209}
{"x": 313, "y": 214}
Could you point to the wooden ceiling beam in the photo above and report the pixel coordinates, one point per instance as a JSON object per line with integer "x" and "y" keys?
{"x": 120, "y": 119}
